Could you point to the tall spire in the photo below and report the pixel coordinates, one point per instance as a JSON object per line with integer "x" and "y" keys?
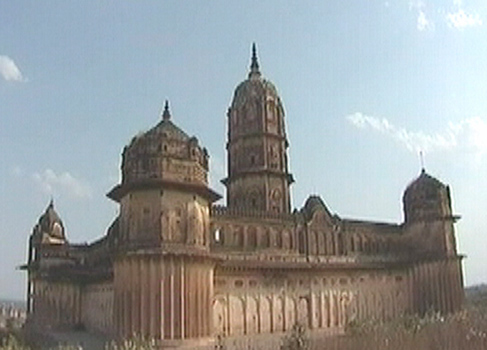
{"x": 166, "y": 115}
{"x": 254, "y": 65}
{"x": 421, "y": 159}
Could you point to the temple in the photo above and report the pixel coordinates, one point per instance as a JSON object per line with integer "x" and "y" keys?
{"x": 177, "y": 268}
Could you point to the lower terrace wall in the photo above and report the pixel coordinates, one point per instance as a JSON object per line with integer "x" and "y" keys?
{"x": 268, "y": 302}
{"x": 56, "y": 304}
{"x": 97, "y": 307}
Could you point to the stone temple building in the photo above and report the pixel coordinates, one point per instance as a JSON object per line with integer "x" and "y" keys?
{"x": 177, "y": 268}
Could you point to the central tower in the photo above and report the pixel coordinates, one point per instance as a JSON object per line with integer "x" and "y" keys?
{"x": 258, "y": 177}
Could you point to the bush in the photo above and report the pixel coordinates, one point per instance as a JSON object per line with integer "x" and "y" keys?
{"x": 464, "y": 330}
{"x": 297, "y": 340}
{"x": 12, "y": 343}
{"x": 134, "y": 343}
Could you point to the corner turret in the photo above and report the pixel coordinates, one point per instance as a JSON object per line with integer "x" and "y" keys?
{"x": 165, "y": 214}
{"x": 426, "y": 198}
{"x": 428, "y": 216}
{"x": 50, "y": 228}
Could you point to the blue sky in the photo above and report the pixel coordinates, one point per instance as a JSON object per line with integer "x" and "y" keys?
{"x": 366, "y": 85}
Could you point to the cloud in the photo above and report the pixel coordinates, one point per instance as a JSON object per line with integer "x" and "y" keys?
{"x": 460, "y": 19}
{"x": 63, "y": 183}
{"x": 469, "y": 135}
{"x": 454, "y": 15}
{"x": 9, "y": 70}
{"x": 422, "y": 22}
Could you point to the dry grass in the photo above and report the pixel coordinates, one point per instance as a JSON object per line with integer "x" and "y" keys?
{"x": 464, "y": 330}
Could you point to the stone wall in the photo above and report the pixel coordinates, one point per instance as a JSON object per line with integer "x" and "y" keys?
{"x": 164, "y": 297}
{"x": 437, "y": 285}
{"x": 56, "y": 304}
{"x": 264, "y": 302}
{"x": 97, "y": 307}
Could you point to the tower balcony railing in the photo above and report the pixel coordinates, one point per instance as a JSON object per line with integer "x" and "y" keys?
{"x": 222, "y": 211}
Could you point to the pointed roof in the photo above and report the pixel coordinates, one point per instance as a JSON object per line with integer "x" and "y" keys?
{"x": 423, "y": 184}
{"x": 254, "y": 65}
{"x": 165, "y": 129}
{"x": 48, "y": 221}
{"x": 166, "y": 115}
{"x": 254, "y": 86}
{"x": 424, "y": 180}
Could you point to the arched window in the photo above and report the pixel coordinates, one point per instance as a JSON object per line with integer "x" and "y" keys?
{"x": 238, "y": 237}
{"x": 217, "y": 236}
{"x": 252, "y": 237}
{"x": 302, "y": 242}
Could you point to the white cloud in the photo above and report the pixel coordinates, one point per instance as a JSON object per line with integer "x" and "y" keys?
{"x": 422, "y": 21}
{"x": 9, "y": 70}
{"x": 63, "y": 183}
{"x": 460, "y": 19}
{"x": 453, "y": 14}
{"x": 469, "y": 135}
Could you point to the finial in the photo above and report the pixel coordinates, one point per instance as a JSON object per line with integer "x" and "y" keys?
{"x": 51, "y": 203}
{"x": 421, "y": 159}
{"x": 166, "y": 115}
{"x": 254, "y": 65}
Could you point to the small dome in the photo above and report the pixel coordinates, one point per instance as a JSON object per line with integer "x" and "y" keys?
{"x": 50, "y": 225}
{"x": 251, "y": 89}
{"x": 423, "y": 183}
{"x": 254, "y": 87}
{"x": 146, "y": 155}
{"x": 163, "y": 156}
{"x": 425, "y": 197}
{"x": 165, "y": 129}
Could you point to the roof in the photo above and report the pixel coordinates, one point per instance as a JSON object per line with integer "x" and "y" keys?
{"x": 254, "y": 86}
{"x": 48, "y": 220}
{"x": 424, "y": 182}
{"x": 164, "y": 129}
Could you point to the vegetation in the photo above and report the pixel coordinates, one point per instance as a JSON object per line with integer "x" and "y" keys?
{"x": 297, "y": 340}
{"x": 11, "y": 342}
{"x": 464, "y": 330}
{"x": 134, "y": 343}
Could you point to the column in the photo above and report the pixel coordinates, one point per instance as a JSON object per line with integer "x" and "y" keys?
{"x": 152, "y": 298}
{"x": 144, "y": 300}
{"x": 171, "y": 298}
{"x": 331, "y": 310}
{"x": 162, "y": 279}
{"x": 182, "y": 298}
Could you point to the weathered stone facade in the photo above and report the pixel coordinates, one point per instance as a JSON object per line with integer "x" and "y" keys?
{"x": 179, "y": 269}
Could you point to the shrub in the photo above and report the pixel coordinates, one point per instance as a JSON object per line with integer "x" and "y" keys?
{"x": 12, "y": 343}
{"x": 134, "y": 343}
{"x": 297, "y": 340}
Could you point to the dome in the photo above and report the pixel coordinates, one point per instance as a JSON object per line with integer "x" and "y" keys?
{"x": 254, "y": 87}
{"x": 424, "y": 182}
{"x": 148, "y": 153}
{"x": 424, "y": 187}
{"x": 163, "y": 156}
{"x": 50, "y": 227}
{"x": 164, "y": 130}
{"x": 425, "y": 197}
